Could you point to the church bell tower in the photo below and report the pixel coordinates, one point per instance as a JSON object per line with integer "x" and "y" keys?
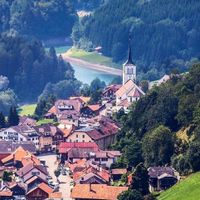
{"x": 129, "y": 68}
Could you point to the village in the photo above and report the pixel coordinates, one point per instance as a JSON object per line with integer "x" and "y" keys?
{"x": 74, "y": 159}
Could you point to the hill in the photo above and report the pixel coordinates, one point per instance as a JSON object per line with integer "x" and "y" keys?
{"x": 165, "y": 33}
{"x": 185, "y": 190}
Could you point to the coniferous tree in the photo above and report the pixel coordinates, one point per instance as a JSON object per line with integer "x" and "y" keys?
{"x": 140, "y": 180}
{"x": 2, "y": 120}
{"x": 13, "y": 117}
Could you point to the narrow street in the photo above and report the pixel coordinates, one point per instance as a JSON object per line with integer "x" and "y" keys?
{"x": 52, "y": 164}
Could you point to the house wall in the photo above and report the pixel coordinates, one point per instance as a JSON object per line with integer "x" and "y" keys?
{"x": 79, "y": 137}
{"x": 37, "y": 194}
{"x": 45, "y": 143}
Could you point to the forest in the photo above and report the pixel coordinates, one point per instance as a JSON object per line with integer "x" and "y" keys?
{"x": 43, "y": 19}
{"x": 27, "y": 68}
{"x": 165, "y": 34}
{"x": 163, "y": 128}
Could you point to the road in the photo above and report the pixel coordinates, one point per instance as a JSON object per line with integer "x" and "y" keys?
{"x": 64, "y": 180}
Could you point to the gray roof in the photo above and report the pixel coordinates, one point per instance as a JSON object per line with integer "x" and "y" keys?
{"x": 10, "y": 146}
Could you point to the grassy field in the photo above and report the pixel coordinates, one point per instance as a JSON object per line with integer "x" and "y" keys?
{"x": 189, "y": 189}
{"x": 45, "y": 121}
{"x": 27, "y": 109}
{"x": 92, "y": 57}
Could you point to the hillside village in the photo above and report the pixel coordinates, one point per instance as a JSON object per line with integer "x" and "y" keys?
{"x": 73, "y": 158}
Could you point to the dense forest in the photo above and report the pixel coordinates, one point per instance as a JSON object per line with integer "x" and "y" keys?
{"x": 87, "y": 5}
{"x": 163, "y": 128}
{"x": 165, "y": 34}
{"x": 37, "y": 18}
{"x": 26, "y": 68}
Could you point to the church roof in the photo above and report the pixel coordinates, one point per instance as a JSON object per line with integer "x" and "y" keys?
{"x": 129, "y": 61}
{"x": 129, "y": 89}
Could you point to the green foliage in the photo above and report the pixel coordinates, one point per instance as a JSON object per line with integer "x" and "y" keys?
{"x": 40, "y": 18}
{"x": 154, "y": 120}
{"x": 29, "y": 68}
{"x": 187, "y": 189}
{"x": 165, "y": 33}
{"x": 158, "y": 146}
{"x": 2, "y": 120}
{"x": 7, "y": 176}
{"x": 140, "y": 180}
{"x": 13, "y": 117}
{"x": 130, "y": 195}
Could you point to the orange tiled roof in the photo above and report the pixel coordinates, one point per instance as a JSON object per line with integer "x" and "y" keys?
{"x": 44, "y": 187}
{"x": 96, "y": 191}
{"x": 21, "y": 155}
{"x": 94, "y": 107}
{"x": 52, "y": 110}
{"x": 55, "y": 195}
{"x": 6, "y": 193}
{"x": 82, "y": 98}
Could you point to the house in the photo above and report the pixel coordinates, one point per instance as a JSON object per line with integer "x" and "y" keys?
{"x": 90, "y": 111}
{"x": 96, "y": 192}
{"x": 66, "y": 111}
{"x": 103, "y": 133}
{"x": 50, "y": 137}
{"x": 128, "y": 93}
{"x": 40, "y": 192}
{"x": 6, "y": 194}
{"x": 31, "y": 170}
{"x": 162, "y": 178}
{"x": 34, "y": 181}
{"x": 24, "y": 120}
{"x": 20, "y": 133}
{"x": 18, "y": 189}
{"x": 82, "y": 99}
{"x": 20, "y": 158}
{"x": 9, "y": 147}
{"x": 72, "y": 151}
{"x": 164, "y": 79}
{"x": 109, "y": 92}
{"x": 117, "y": 174}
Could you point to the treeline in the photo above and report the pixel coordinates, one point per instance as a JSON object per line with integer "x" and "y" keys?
{"x": 43, "y": 19}
{"x": 29, "y": 67}
{"x": 165, "y": 34}
{"x": 163, "y": 128}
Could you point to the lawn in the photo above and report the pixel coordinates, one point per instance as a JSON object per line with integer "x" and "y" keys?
{"x": 92, "y": 57}
{"x": 189, "y": 189}
{"x": 27, "y": 109}
{"x": 45, "y": 121}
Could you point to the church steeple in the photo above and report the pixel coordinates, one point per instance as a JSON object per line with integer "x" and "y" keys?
{"x": 129, "y": 68}
{"x": 129, "y": 61}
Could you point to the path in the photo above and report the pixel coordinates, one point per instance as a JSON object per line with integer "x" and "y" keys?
{"x": 64, "y": 180}
{"x": 98, "y": 67}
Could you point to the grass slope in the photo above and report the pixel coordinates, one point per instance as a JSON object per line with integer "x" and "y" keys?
{"x": 189, "y": 189}
{"x": 27, "y": 109}
{"x": 91, "y": 57}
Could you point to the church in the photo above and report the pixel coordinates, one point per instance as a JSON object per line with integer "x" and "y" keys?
{"x": 129, "y": 92}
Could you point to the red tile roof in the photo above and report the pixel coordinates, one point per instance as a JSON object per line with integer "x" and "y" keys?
{"x": 94, "y": 107}
{"x": 96, "y": 191}
{"x": 65, "y": 146}
{"x": 119, "y": 171}
{"x": 44, "y": 187}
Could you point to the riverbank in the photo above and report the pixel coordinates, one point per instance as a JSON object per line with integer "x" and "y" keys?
{"x": 94, "y": 66}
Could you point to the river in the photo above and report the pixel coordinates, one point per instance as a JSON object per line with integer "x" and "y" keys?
{"x": 86, "y": 75}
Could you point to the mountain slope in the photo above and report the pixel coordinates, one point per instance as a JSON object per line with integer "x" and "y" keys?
{"x": 165, "y": 33}
{"x": 189, "y": 189}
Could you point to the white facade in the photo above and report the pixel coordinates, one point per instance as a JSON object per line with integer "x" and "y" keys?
{"x": 129, "y": 72}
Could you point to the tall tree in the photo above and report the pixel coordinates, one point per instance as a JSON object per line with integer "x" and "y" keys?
{"x": 140, "y": 180}
{"x": 130, "y": 195}
{"x": 2, "y": 120}
{"x": 13, "y": 117}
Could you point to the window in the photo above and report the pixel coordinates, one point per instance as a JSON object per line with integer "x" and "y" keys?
{"x": 97, "y": 159}
{"x": 83, "y": 136}
{"x": 76, "y": 135}
{"x": 104, "y": 159}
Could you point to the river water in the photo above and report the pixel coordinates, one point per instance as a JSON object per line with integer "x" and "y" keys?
{"x": 86, "y": 75}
